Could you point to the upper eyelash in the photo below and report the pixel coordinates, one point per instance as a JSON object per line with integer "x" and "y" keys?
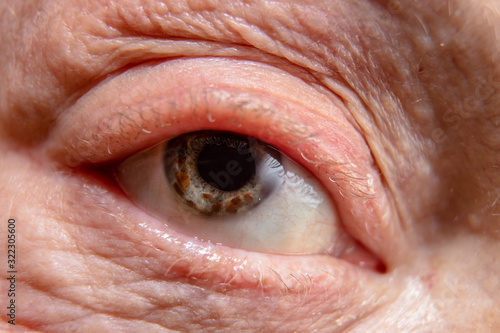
{"x": 119, "y": 131}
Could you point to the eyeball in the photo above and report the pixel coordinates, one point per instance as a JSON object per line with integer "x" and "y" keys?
{"x": 236, "y": 191}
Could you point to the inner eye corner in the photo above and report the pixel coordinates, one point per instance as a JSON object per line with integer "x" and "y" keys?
{"x": 381, "y": 268}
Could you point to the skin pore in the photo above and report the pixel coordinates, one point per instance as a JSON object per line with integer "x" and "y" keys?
{"x": 393, "y": 106}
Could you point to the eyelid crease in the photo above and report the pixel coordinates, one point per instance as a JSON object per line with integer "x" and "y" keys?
{"x": 224, "y": 23}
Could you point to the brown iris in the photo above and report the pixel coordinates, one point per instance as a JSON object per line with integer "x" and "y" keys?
{"x": 216, "y": 173}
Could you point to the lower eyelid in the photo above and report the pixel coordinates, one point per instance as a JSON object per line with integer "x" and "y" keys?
{"x": 179, "y": 256}
{"x": 109, "y": 226}
{"x": 359, "y": 256}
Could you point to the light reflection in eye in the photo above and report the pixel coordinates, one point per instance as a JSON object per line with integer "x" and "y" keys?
{"x": 234, "y": 190}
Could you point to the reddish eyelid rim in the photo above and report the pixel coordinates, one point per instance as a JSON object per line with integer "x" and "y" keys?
{"x": 152, "y": 110}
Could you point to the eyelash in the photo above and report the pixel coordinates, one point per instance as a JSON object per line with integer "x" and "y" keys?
{"x": 123, "y": 131}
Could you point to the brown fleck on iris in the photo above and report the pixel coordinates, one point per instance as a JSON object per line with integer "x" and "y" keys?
{"x": 248, "y": 198}
{"x": 181, "y": 160}
{"x": 233, "y": 205}
{"x": 216, "y": 207}
{"x": 190, "y": 203}
{"x": 207, "y": 196}
{"x": 178, "y": 189}
{"x": 182, "y": 182}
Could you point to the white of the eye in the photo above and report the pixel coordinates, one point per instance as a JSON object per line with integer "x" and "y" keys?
{"x": 297, "y": 218}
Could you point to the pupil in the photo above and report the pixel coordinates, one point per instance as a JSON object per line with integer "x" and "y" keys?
{"x": 226, "y": 163}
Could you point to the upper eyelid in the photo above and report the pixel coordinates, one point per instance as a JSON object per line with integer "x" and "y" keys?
{"x": 134, "y": 120}
{"x": 131, "y": 123}
{"x": 128, "y": 108}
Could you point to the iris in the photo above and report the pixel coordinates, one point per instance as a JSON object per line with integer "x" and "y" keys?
{"x": 220, "y": 173}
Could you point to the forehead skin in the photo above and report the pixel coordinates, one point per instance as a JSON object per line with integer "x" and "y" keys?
{"x": 419, "y": 80}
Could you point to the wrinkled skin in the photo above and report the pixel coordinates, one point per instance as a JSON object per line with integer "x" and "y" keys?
{"x": 402, "y": 96}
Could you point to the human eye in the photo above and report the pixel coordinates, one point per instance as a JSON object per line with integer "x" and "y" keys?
{"x": 133, "y": 125}
{"x": 236, "y": 191}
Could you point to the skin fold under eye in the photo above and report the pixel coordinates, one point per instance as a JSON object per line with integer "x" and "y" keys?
{"x": 234, "y": 190}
